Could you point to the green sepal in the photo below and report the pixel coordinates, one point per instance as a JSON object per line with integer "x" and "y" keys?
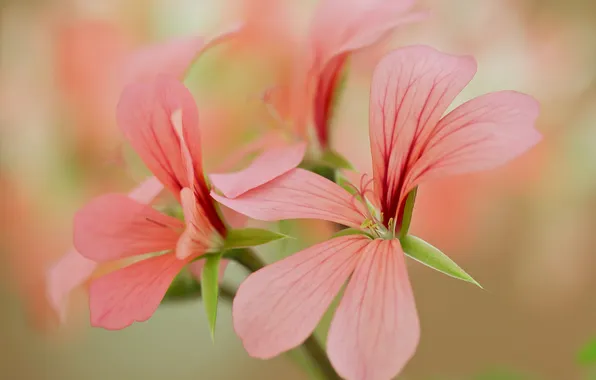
{"x": 210, "y": 289}
{"x": 250, "y": 237}
{"x": 432, "y": 257}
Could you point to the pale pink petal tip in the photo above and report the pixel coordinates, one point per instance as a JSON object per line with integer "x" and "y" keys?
{"x": 68, "y": 273}
{"x": 269, "y": 165}
{"x": 279, "y": 306}
{"x": 173, "y": 57}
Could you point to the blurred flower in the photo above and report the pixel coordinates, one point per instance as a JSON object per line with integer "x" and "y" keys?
{"x": 411, "y": 143}
{"x": 338, "y": 29}
{"x": 88, "y": 56}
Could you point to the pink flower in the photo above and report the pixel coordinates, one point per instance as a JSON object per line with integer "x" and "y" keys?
{"x": 171, "y": 58}
{"x": 375, "y": 330}
{"x": 338, "y": 29}
{"x": 158, "y": 117}
{"x": 72, "y": 270}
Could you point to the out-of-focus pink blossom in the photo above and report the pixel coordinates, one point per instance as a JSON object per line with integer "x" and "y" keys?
{"x": 338, "y": 29}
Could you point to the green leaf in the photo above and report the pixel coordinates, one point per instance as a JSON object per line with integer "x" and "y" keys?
{"x": 587, "y": 355}
{"x": 324, "y": 170}
{"x": 350, "y": 231}
{"x": 335, "y": 160}
{"x": 430, "y": 256}
{"x": 250, "y": 237}
{"x": 210, "y": 289}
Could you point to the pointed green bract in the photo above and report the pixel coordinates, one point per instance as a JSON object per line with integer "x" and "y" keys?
{"x": 250, "y": 237}
{"x": 335, "y": 160}
{"x": 210, "y": 289}
{"x": 428, "y": 255}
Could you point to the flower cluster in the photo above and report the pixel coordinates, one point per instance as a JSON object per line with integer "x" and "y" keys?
{"x": 375, "y": 329}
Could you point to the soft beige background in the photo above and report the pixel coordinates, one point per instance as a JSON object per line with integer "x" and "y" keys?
{"x": 525, "y": 231}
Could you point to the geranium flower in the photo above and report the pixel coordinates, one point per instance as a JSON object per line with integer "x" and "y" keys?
{"x": 171, "y": 58}
{"x": 375, "y": 330}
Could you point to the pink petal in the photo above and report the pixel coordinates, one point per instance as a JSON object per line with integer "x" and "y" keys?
{"x": 481, "y": 134}
{"x": 64, "y": 276}
{"x": 411, "y": 89}
{"x": 383, "y": 21}
{"x": 131, "y": 294}
{"x": 279, "y": 306}
{"x": 298, "y": 194}
{"x": 72, "y": 270}
{"x": 269, "y": 165}
{"x": 146, "y": 114}
{"x": 342, "y": 26}
{"x": 159, "y": 117}
{"x": 196, "y": 268}
{"x": 233, "y": 218}
{"x": 113, "y": 226}
{"x": 375, "y": 330}
{"x": 172, "y": 58}
{"x": 266, "y": 140}
{"x": 199, "y": 234}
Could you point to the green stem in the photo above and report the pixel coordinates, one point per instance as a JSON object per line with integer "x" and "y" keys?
{"x": 318, "y": 355}
{"x": 249, "y": 260}
{"x": 186, "y": 289}
{"x": 408, "y": 210}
